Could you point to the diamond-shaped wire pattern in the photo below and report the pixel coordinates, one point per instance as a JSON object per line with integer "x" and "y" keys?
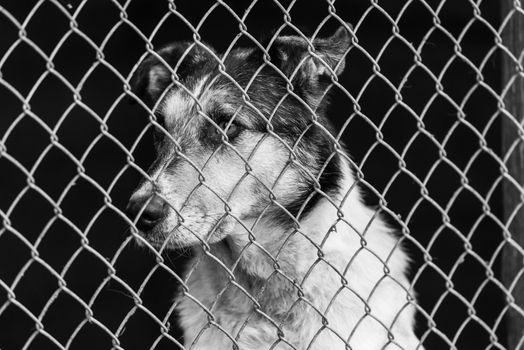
{"x": 429, "y": 106}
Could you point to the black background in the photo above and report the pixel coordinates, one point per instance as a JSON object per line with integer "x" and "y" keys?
{"x": 86, "y": 172}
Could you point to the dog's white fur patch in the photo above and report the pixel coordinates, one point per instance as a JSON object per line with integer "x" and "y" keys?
{"x": 369, "y": 309}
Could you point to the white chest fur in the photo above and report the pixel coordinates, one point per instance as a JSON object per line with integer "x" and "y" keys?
{"x": 355, "y": 292}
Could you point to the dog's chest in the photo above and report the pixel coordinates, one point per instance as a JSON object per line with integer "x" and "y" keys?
{"x": 233, "y": 311}
{"x": 214, "y": 303}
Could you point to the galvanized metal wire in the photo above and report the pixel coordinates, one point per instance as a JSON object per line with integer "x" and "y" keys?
{"x": 425, "y": 265}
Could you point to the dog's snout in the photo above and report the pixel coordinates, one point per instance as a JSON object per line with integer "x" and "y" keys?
{"x": 155, "y": 210}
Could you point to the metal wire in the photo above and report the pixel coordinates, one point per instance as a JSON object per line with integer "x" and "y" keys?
{"x": 442, "y": 209}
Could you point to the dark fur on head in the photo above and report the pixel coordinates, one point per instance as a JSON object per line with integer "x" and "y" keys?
{"x": 310, "y": 75}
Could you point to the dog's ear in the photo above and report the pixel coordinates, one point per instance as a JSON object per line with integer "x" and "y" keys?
{"x": 155, "y": 73}
{"x": 312, "y": 74}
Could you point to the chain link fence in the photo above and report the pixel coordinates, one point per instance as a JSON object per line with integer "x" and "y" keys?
{"x": 429, "y": 106}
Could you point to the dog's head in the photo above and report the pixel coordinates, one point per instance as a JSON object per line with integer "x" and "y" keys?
{"x": 237, "y": 140}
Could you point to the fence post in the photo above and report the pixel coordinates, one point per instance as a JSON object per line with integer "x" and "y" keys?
{"x": 513, "y": 260}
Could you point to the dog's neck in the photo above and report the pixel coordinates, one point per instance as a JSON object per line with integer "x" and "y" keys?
{"x": 269, "y": 243}
{"x": 342, "y": 264}
{"x": 275, "y": 262}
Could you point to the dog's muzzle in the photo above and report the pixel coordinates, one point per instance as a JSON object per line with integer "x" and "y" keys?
{"x": 152, "y": 210}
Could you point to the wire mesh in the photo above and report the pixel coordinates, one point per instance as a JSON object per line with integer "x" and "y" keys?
{"x": 420, "y": 108}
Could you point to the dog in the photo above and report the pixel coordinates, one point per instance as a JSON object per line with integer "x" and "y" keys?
{"x": 249, "y": 176}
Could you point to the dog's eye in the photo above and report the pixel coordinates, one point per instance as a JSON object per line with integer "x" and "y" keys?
{"x": 232, "y": 129}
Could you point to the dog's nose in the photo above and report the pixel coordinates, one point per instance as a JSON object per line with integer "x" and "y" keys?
{"x": 155, "y": 210}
